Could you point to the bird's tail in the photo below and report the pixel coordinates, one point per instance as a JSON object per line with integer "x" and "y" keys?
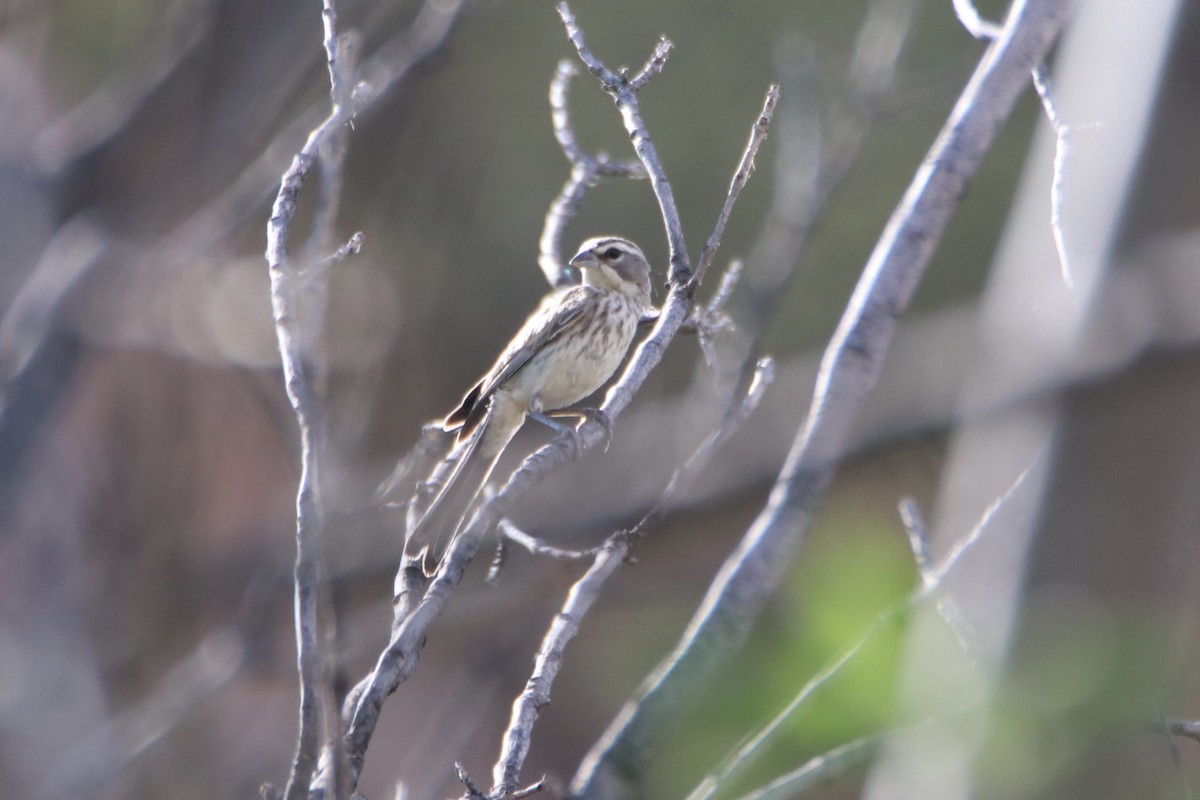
{"x": 457, "y": 482}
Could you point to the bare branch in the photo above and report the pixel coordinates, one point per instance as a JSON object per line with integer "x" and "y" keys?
{"x": 918, "y": 537}
{"x": 377, "y": 77}
{"x": 352, "y": 246}
{"x": 711, "y": 320}
{"x": 296, "y": 337}
{"x": 817, "y": 769}
{"x": 1058, "y": 192}
{"x": 758, "y": 134}
{"x": 985, "y": 30}
{"x": 506, "y": 775}
{"x": 624, "y": 93}
{"x": 585, "y": 171}
{"x": 849, "y": 372}
{"x": 538, "y": 547}
{"x": 654, "y": 66}
{"x": 614, "y": 551}
{"x": 473, "y": 792}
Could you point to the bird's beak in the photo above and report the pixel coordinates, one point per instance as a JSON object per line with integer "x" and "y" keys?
{"x": 585, "y": 260}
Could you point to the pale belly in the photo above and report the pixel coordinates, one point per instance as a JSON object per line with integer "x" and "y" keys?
{"x": 562, "y": 376}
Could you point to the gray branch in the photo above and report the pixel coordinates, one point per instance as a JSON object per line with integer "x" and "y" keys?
{"x": 292, "y": 295}
{"x": 849, "y": 372}
{"x": 585, "y": 171}
{"x": 757, "y": 134}
{"x": 506, "y": 775}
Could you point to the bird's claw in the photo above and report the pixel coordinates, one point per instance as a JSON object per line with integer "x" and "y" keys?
{"x": 576, "y": 443}
{"x": 602, "y": 418}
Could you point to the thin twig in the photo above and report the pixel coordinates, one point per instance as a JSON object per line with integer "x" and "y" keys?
{"x": 473, "y": 792}
{"x": 710, "y": 320}
{"x": 738, "y": 411}
{"x": 813, "y": 160}
{"x": 539, "y": 547}
{"x": 288, "y": 302}
{"x": 585, "y": 171}
{"x": 758, "y": 134}
{"x": 986, "y": 30}
{"x": 932, "y": 577}
{"x": 849, "y": 373}
{"x": 817, "y": 769}
{"x": 506, "y": 775}
{"x": 1058, "y": 191}
{"x": 918, "y": 537}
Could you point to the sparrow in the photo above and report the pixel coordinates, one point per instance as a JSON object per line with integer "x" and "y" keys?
{"x": 567, "y": 349}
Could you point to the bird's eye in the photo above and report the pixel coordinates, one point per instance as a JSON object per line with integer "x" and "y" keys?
{"x": 612, "y": 253}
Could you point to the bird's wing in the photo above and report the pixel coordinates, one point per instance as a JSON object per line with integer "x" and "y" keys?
{"x": 558, "y": 314}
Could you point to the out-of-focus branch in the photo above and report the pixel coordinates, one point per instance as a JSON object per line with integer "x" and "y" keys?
{"x": 297, "y": 331}
{"x": 849, "y": 372}
{"x": 105, "y": 112}
{"x": 1184, "y": 727}
{"x": 986, "y": 30}
{"x": 377, "y": 76}
{"x": 817, "y": 770}
{"x": 736, "y": 414}
{"x": 814, "y": 157}
{"x": 104, "y": 753}
{"x": 933, "y": 574}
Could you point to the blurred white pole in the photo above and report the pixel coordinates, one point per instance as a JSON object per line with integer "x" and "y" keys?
{"x": 1031, "y": 325}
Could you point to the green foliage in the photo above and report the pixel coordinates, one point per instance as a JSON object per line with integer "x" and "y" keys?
{"x": 856, "y": 573}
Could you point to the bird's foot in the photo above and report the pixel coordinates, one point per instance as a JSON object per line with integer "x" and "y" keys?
{"x": 602, "y": 418}
{"x": 572, "y": 435}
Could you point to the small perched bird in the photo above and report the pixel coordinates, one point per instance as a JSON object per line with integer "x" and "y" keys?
{"x": 566, "y": 350}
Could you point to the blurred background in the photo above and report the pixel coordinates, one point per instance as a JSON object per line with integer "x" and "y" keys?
{"x": 148, "y": 455}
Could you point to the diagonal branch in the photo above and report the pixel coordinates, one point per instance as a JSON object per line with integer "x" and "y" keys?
{"x": 757, "y": 134}
{"x": 849, "y": 372}
{"x": 506, "y": 774}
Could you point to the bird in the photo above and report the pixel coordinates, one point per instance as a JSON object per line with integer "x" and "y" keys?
{"x": 567, "y": 349}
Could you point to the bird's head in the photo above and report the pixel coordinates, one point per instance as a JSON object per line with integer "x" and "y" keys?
{"x": 615, "y": 263}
